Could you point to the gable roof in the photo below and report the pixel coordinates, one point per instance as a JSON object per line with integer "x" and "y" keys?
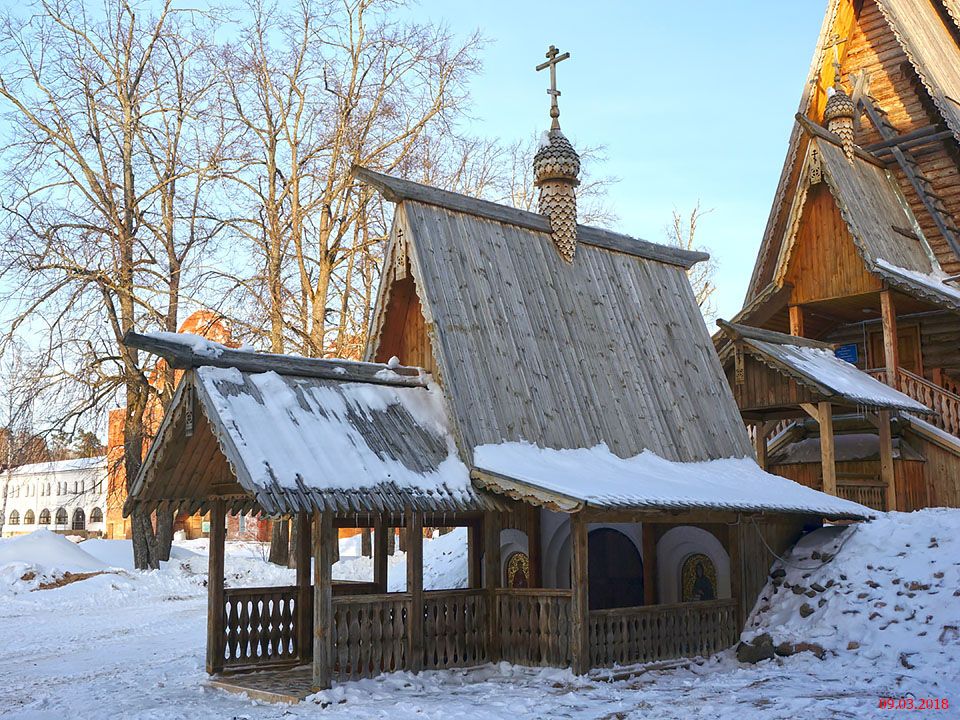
{"x": 814, "y": 365}
{"x": 934, "y": 54}
{"x": 609, "y": 349}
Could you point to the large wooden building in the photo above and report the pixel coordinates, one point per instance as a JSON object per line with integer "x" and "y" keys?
{"x": 862, "y": 252}
{"x": 553, "y": 388}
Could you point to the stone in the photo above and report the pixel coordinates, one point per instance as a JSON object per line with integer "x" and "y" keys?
{"x": 815, "y": 555}
{"x": 811, "y": 648}
{"x": 778, "y": 573}
{"x": 822, "y": 602}
{"x": 853, "y": 645}
{"x": 818, "y": 587}
{"x": 798, "y": 589}
{"x": 760, "y": 648}
{"x": 811, "y": 593}
{"x": 806, "y": 610}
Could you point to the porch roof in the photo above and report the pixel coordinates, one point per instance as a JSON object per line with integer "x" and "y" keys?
{"x": 571, "y": 479}
{"x": 814, "y": 365}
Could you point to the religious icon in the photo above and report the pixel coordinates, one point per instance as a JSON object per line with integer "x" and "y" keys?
{"x": 518, "y": 570}
{"x": 698, "y": 579}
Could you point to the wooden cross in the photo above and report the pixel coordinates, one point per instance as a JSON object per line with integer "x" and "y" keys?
{"x": 835, "y": 42}
{"x": 553, "y": 57}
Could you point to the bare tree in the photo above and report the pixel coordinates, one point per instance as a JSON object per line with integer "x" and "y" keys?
{"x": 98, "y": 106}
{"x": 681, "y": 232}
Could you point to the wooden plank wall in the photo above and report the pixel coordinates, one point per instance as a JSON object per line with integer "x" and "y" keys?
{"x": 941, "y": 472}
{"x": 824, "y": 262}
{"x": 404, "y": 331}
{"x": 910, "y": 476}
{"x": 779, "y": 533}
{"x": 766, "y": 388}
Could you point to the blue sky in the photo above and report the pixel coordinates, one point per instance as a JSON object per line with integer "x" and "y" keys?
{"x": 693, "y": 100}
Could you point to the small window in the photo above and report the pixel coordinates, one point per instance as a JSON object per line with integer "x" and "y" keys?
{"x": 44, "y": 517}
{"x": 49, "y": 489}
{"x": 79, "y": 520}
{"x": 28, "y": 518}
{"x": 14, "y": 518}
{"x": 96, "y": 515}
{"x": 61, "y": 516}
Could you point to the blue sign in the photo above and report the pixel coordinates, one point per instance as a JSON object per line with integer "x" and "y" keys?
{"x": 848, "y": 353}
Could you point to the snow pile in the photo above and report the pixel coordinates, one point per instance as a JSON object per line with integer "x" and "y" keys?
{"x": 825, "y": 368}
{"x": 119, "y": 553}
{"x": 887, "y": 592}
{"x": 27, "y": 561}
{"x": 598, "y": 477}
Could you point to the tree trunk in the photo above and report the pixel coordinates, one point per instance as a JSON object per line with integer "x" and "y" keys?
{"x": 280, "y": 542}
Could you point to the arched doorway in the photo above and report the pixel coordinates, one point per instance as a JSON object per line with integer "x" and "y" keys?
{"x": 615, "y": 570}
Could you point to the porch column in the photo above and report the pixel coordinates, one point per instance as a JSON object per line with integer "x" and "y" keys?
{"x": 736, "y": 570}
{"x": 535, "y": 554}
{"x": 648, "y": 532}
{"x": 760, "y": 443}
{"x": 323, "y": 538}
{"x": 580, "y": 607}
{"x": 891, "y": 352}
{"x": 414, "y": 534}
{"x": 887, "y": 472}
{"x": 796, "y": 321}
{"x": 827, "y": 448}
{"x": 215, "y": 609}
{"x": 304, "y": 610}
{"x": 474, "y": 555}
{"x": 491, "y": 581}
{"x": 380, "y": 531}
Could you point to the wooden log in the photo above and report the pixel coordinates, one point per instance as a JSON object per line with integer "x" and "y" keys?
{"x": 491, "y": 580}
{"x": 414, "y": 533}
{"x": 887, "y": 474}
{"x": 891, "y": 359}
{"x": 649, "y": 537}
{"x": 380, "y": 538}
{"x": 827, "y": 448}
{"x": 302, "y": 553}
{"x": 580, "y": 607}
{"x": 215, "y": 608}
{"x": 474, "y": 555}
{"x": 323, "y": 539}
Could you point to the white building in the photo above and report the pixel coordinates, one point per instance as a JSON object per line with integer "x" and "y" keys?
{"x": 69, "y": 496}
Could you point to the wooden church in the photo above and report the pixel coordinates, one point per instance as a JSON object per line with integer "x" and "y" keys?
{"x": 861, "y": 258}
{"x": 549, "y": 386}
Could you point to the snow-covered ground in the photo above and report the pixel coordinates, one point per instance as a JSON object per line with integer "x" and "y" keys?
{"x": 130, "y": 645}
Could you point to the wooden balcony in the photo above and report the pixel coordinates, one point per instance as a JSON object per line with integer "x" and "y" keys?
{"x": 943, "y": 401}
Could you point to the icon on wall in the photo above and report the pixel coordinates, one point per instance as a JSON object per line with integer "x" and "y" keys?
{"x": 698, "y": 578}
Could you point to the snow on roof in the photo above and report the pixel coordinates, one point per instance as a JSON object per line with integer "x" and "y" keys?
{"x": 298, "y": 437}
{"x": 49, "y": 468}
{"x": 597, "y": 477}
{"x": 197, "y": 343}
{"x": 822, "y": 367}
{"x": 848, "y": 447}
{"x": 928, "y": 285}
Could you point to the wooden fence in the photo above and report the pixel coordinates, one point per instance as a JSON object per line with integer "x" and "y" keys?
{"x": 534, "y": 626}
{"x": 939, "y": 399}
{"x": 260, "y": 627}
{"x": 625, "y": 636}
{"x": 369, "y": 634}
{"x": 454, "y": 627}
{"x": 870, "y": 494}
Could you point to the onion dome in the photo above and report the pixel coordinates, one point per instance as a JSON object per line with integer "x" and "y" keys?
{"x": 555, "y": 169}
{"x": 838, "y": 118}
{"x": 555, "y": 159}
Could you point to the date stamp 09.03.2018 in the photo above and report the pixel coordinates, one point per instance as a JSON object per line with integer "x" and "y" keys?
{"x": 910, "y": 703}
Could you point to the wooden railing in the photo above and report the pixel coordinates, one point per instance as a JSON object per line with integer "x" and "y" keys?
{"x": 871, "y": 494}
{"x": 454, "y": 628}
{"x": 945, "y": 403}
{"x": 260, "y": 627}
{"x": 534, "y": 626}
{"x": 625, "y": 636}
{"x": 369, "y": 634}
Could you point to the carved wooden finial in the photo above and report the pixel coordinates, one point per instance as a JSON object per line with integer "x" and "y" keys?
{"x": 553, "y": 57}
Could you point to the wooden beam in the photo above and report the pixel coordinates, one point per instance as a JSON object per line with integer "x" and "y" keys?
{"x": 216, "y": 612}
{"x": 475, "y": 555}
{"x": 304, "y": 588}
{"x": 414, "y": 531}
{"x": 380, "y": 530}
{"x": 736, "y": 571}
{"x": 534, "y": 553}
{"x": 887, "y": 471}
{"x": 324, "y": 537}
{"x": 891, "y": 356}
{"x": 491, "y": 581}
{"x": 760, "y": 443}
{"x": 827, "y": 448}
{"x": 811, "y": 410}
{"x": 649, "y": 544}
{"x": 580, "y": 607}
{"x": 796, "y": 321}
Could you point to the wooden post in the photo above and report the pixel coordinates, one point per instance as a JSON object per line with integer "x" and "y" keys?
{"x": 414, "y": 533}
{"x": 474, "y": 555}
{"x": 796, "y": 321}
{"x": 649, "y": 533}
{"x": 736, "y": 571}
{"x": 491, "y": 581}
{"x": 304, "y": 606}
{"x": 891, "y": 351}
{"x": 760, "y": 443}
{"x": 535, "y": 554}
{"x": 580, "y": 607}
{"x": 380, "y": 532}
{"x": 887, "y": 473}
{"x": 827, "y": 448}
{"x": 323, "y": 538}
{"x": 216, "y": 612}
